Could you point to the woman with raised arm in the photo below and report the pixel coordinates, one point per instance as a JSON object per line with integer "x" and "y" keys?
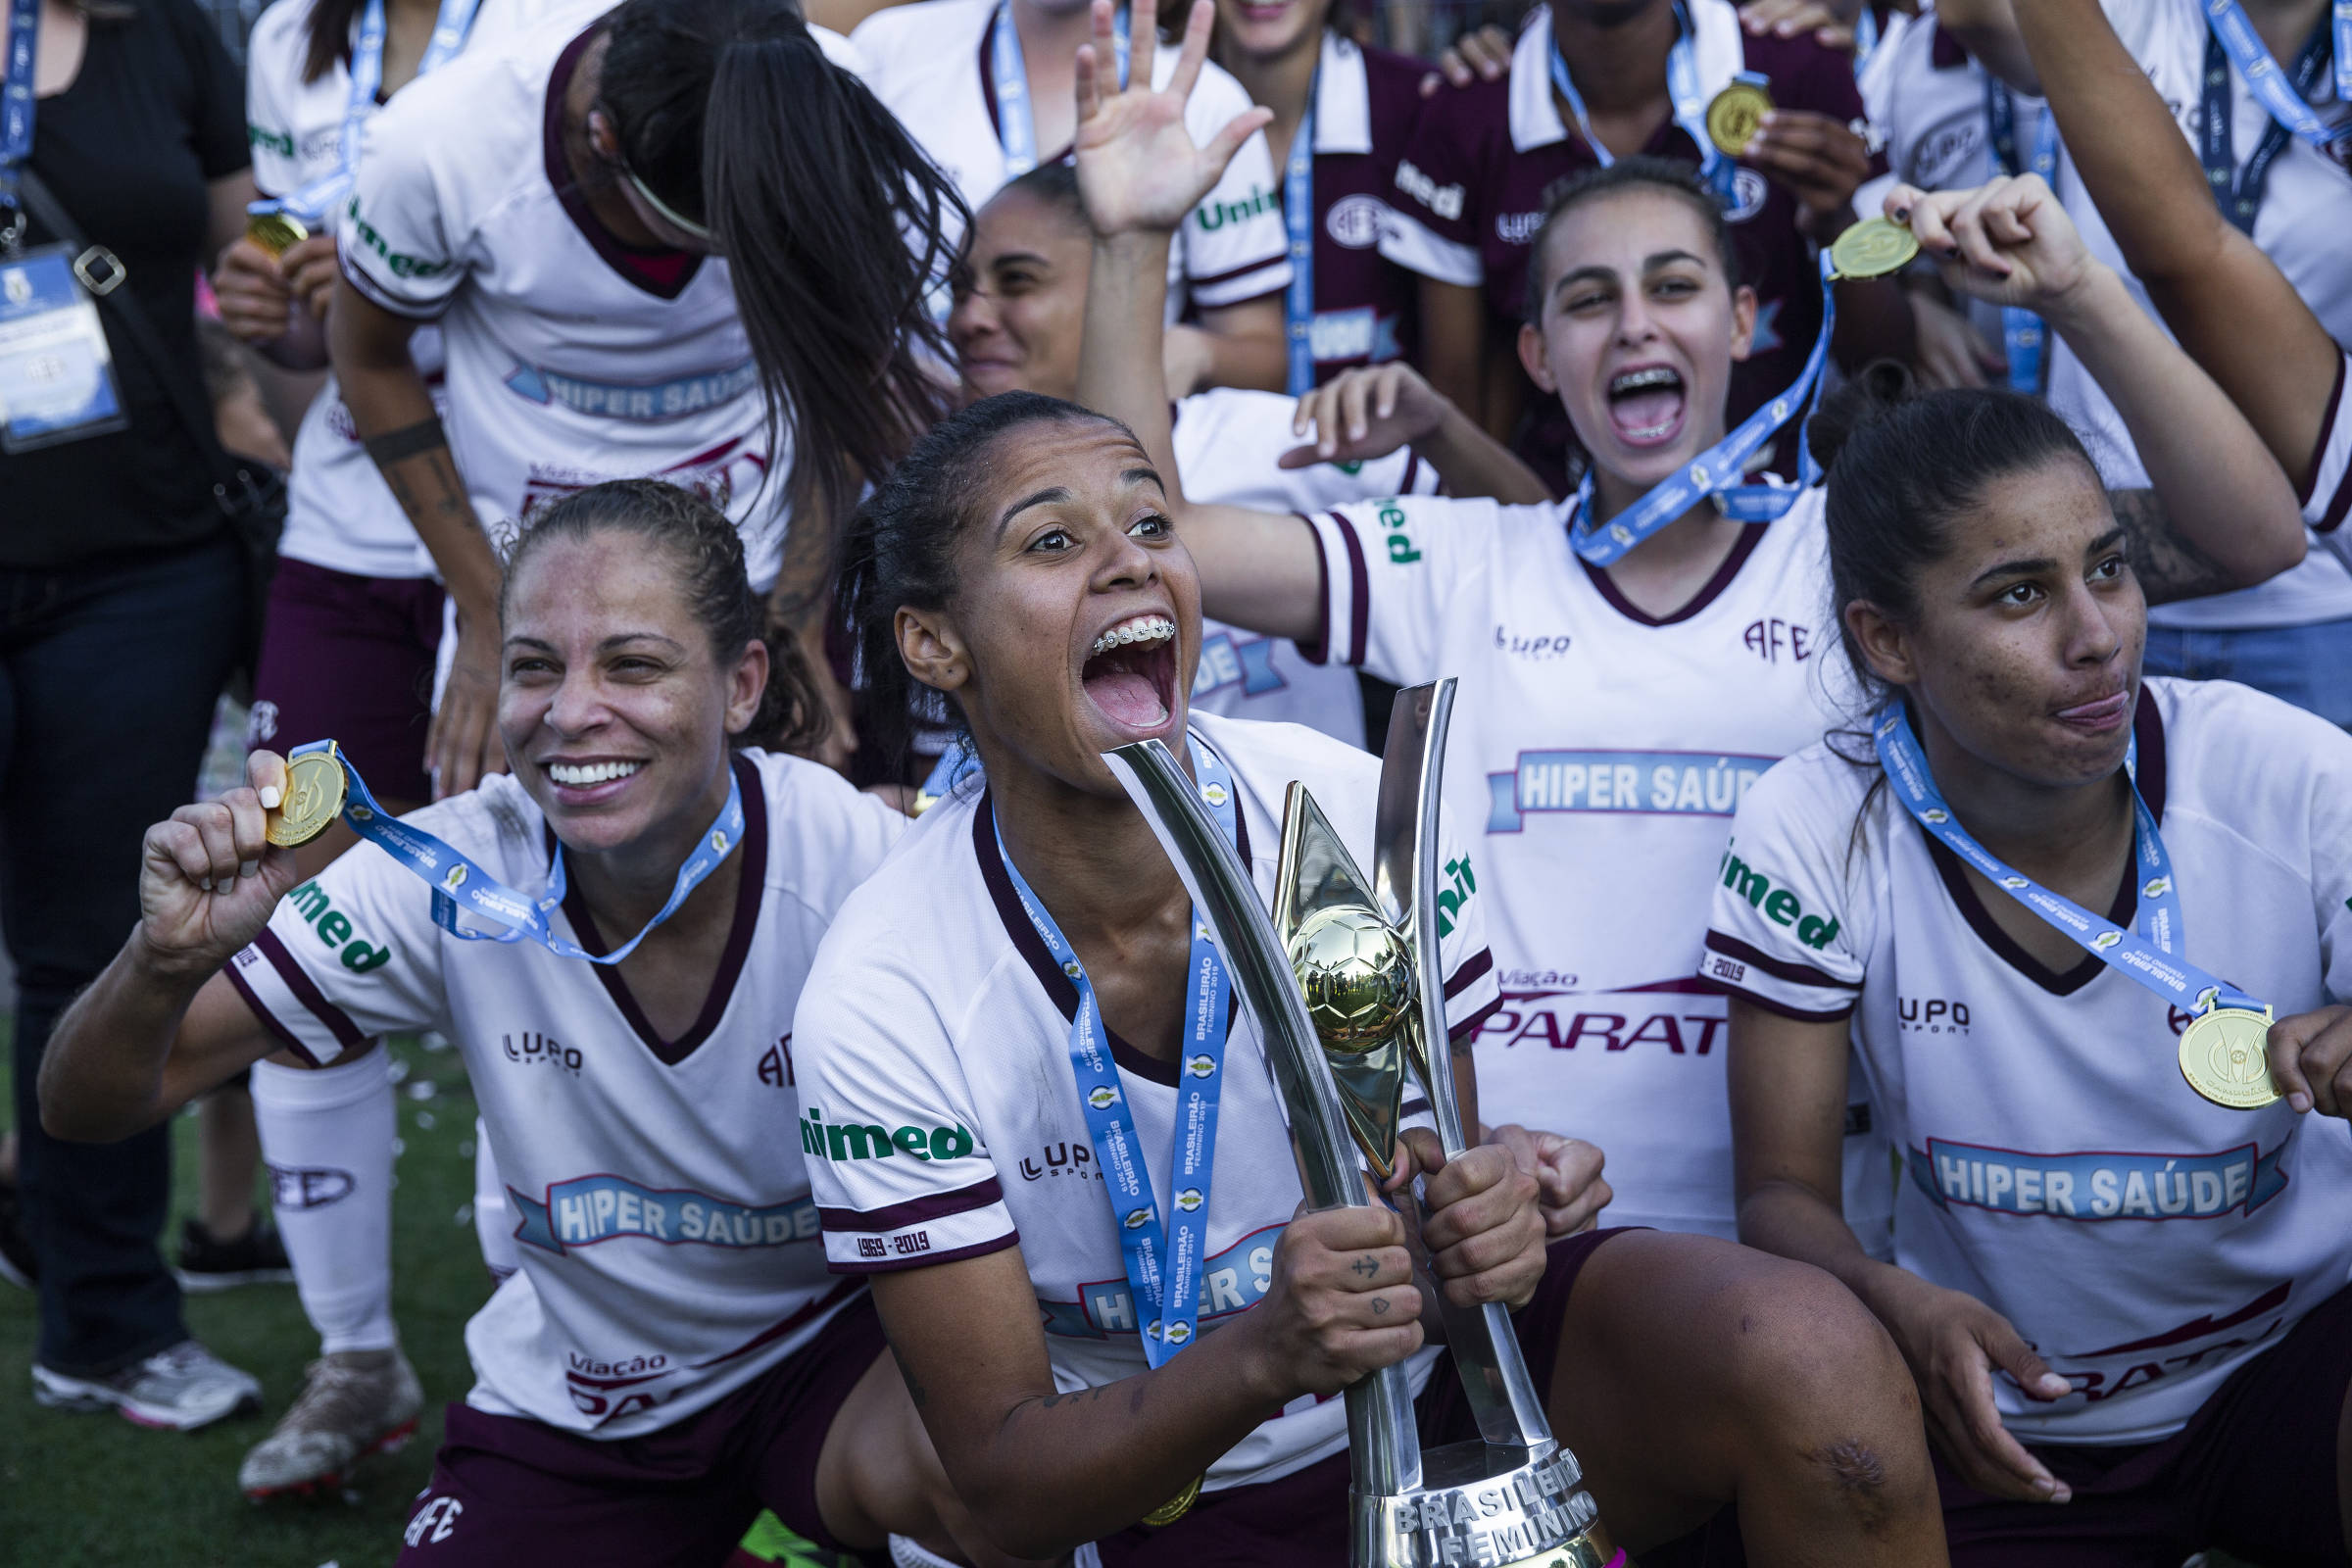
{"x": 671, "y": 1354}
{"x": 1620, "y": 695}
{"x": 629, "y": 280}
{"x": 2222, "y": 295}
{"x": 2087, "y": 933}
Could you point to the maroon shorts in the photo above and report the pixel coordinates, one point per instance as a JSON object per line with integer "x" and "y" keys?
{"x": 506, "y": 1490}
{"x": 351, "y": 658}
{"x": 2255, "y": 1472}
{"x": 1301, "y": 1520}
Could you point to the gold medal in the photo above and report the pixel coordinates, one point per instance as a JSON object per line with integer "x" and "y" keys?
{"x": 1735, "y": 115}
{"x": 277, "y": 233}
{"x": 2224, "y": 1058}
{"x": 1176, "y": 1507}
{"x": 1873, "y": 248}
{"x": 314, "y": 799}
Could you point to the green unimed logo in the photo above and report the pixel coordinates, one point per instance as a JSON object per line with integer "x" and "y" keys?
{"x": 1214, "y": 214}
{"x": 839, "y": 1140}
{"x": 280, "y": 142}
{"x": 333, "y": 926}
{"x": 1778, "y": 906}
{"x": 399, "y": 263}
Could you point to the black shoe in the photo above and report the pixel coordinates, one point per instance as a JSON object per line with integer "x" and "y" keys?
{"x": 17, "y": 1263}
{"x": 206, "y": 1265}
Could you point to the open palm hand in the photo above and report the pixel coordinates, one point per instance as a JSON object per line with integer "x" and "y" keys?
{"x": 1137, "y": 166}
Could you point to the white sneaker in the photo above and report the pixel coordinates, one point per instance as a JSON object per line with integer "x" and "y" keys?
{"x": 181, "y": 1388}
{"x": 353, "y": 1403}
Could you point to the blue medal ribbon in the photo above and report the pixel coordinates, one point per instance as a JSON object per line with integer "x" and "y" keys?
{"x": 1298, "y": 217}
{"x": 1689, "y": 106}
{"x": 957, "y": 763}
{"x": 16, "y": 113}
{"x": 1717, "y": 470}
{"x": 1866, "y": 36}
{"x": 1163, "y": 1261}
{"x": 2145, "y": 954}
{"x": 459, "y": 881}
{"x": 313, "y": 201}
{"x": 2024, "y": 338}
{"x": 2231, "y": 39}
{"x": 1017, "y": 129}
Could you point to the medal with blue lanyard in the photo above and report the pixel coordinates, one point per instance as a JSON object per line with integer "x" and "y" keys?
{"x": 2024, "y": 338}
{"x": 1866, "y": 37}
{"x": 1715, "y": 167}
{"x": 1017, "y": 127}
{"x": 1298, "y": 217}
{"x": 2230, "y": 39}
{"x": 57, "y": 377}
{"x": 279, "y": 222}
{"x": 2221, "y": 1051}
{"x": 322, "y": 785}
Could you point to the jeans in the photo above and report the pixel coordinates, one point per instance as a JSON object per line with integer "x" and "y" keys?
{"x": 108, "y": 678}
{"x": 2310, "y": 665}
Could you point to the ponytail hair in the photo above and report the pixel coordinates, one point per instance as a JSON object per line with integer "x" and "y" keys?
{"x": 327, "y": 32}
{"x": 705, "y": 555}
{"x": 835, "y": 225}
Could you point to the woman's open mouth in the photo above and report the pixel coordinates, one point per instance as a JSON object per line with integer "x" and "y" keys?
{"x": 590, "y": 782}
{"x": 1130, "y": 673}
{"x": 1647, "y": 405}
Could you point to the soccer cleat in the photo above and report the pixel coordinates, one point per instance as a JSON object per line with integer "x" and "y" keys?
{"x": 17, "y": 1264}
{"x": 181, "y": 1389}
{"x": 353, "y": 1403}
{"x": 205, "y": 1265}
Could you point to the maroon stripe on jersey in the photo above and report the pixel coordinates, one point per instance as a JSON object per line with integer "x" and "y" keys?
{"x": 2147, "y": 728}
{"x": 376, "y": 296}
{"x": 2318, "y": 451}
{"x": 1742, "y": 547}
{"x": 914, "y": 1212}
{"x": 953, "y": 1255}
{"x": 1474, "y": 968}
{"x": 2122, "y": 911}
{"x": 1232, "y": 272}
{"x": 662, "y": 270}
{"x": 1413, "y": 469}
{"x": 1317, "y": 648}
{"x": 338, "y": 1022}
{"x": 1465, "y": 1027}
{"x": 1359, "y": 592}
{"x": 775, "y": 1331}
{"x": 748, "y": 893}
{"x": 1798, "y": 974}
{"x": 269, "y": 1021}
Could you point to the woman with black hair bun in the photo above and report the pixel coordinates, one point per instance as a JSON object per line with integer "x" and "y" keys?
{"x": 673, "y": 238}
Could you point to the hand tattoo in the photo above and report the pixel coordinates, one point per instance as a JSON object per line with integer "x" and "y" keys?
{"x": 1364, "y": 1266}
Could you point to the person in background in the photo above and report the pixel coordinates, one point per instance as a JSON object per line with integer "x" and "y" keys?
{"x": 124, "y": 587}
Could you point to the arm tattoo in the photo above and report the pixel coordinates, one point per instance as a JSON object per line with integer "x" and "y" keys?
{"x": 2168, "y": 566}
{"x": 406, "y": 442}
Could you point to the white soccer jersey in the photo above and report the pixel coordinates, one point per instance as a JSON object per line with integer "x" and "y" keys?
{"x": 929, "y": 63}
{"x": 666, "y": 1237}
{"x": 339, "y": 513}
{"x": 572, "y": 359}
{"x": 1603, "y": 751}
{"x": 942, "y": 1097}
{"x": 2143, "y": 1241}
{"x": 1228, "y": 445}
{"x": 2305, "y": 213}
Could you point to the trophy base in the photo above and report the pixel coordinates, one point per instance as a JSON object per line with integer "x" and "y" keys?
{"x": 1483, "y": 1506}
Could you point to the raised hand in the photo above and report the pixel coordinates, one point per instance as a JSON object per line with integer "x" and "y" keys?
{"x": 209, "y": 878}
{"x": 1365, "y": 413}
{"x": 1137, "y": 166}
{"x": 2008, "y": 241}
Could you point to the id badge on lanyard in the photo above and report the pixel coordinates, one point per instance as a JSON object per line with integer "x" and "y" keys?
{"x": 57, "y": 374}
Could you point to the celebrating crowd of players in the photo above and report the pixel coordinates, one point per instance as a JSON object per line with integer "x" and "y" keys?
{"x": 730, "y": 419}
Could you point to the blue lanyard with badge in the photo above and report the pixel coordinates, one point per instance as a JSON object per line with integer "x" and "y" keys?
{"x": 1299, "y": 218}
{"x": 1870, "y": 249}
{"x": 276, "y": 223}
{"x": 1017, "y": 129}
{"x": 2230, "y": 39}
{"x": 2223, "y": 1050}
{"x": 2024, "y": 339}
{"x": 1164, "y": 1262}
{"x": 1692, "y": 111}
{"x": 321, "y": 785}
{"x": 57, "y": 374}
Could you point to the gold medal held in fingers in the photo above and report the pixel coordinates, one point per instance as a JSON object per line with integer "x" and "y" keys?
{"x": 1735, "y": 115}
{"x": 1873, "y": 248}
{"x": 276, "y": 233}
{"x": 2224, "y": 1057}
{"x": 314, "y": 791}
{"x": 1176, "y": 1507}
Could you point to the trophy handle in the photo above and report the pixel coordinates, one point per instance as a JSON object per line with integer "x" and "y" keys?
{"x": 1384, "y": 1444}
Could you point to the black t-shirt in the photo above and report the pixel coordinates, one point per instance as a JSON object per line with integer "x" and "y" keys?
{"x": 156, "y": 112}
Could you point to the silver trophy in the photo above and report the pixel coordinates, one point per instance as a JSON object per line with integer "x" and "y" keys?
{"x": 1346, "y": 986}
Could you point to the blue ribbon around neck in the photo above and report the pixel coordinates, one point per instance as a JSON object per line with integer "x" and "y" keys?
{"x": 1717, "y": 470}
{"x": 16, "y": 111}
{"x": 1299, "y": 218}
{"x": 1164, "y": 1259}
{"x": 458, "y": 881}
{"x": 1016, "y": 120}
{"x": 2024, "y": 338}
{"x": 1689, "y": 106}
{"x": 2230, "y": 39}
{"x": 2145, "y": 954}
{"x": 1866, "y": 37}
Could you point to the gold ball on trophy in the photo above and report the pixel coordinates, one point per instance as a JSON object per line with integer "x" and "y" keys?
{"x": 1357, "y": 976}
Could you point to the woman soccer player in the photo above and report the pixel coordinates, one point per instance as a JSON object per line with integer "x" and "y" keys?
{"x": 671, "y": 1354}
{"x": 2114, "y": 1294}
{"x": 1612, "y": 710}
{"x": 629, "y": 282}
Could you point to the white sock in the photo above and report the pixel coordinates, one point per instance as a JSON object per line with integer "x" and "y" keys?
{"x": 908, "y": 1552}
{"x": 326, "y": 1137}
{"x": 493, "y": 1216}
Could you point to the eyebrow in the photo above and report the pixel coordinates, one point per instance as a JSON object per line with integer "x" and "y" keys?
{"x": 2037, "y": 565}
{"x": 603, "y": 644}
{"x": 1649, "y": 263}
{"x": 1008, "y": 258}
{"x": 1051, "y": 496}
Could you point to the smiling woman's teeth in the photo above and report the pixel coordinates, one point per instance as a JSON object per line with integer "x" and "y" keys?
{"x": 577, "y": 773}
{"x": 1148, "y": 629}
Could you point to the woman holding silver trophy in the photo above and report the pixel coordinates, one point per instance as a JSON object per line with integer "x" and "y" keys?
{"x": 1014, "y": 1061}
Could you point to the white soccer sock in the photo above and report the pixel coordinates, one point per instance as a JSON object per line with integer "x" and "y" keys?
{"x": 326, "y": 1137}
